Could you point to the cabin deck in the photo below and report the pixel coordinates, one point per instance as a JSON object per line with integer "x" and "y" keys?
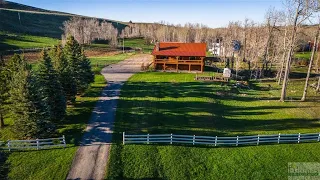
{"x": 178, "y": 65}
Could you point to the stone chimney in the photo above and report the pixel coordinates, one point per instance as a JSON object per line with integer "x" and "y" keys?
{"x": 157, "y": 46}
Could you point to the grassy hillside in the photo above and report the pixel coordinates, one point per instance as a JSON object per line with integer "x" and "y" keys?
{"x": 35, "y": 21}
{"x": 15, "y": 41}
{"x": 17, "y": 6}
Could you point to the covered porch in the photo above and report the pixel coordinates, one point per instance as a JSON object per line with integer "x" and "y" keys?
{"x": 179, "y": 63}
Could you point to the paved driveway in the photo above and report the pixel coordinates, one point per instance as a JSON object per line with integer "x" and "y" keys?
{"x": 92, "y": 156}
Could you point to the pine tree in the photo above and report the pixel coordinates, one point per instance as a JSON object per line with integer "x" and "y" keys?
{"x": 28, "y": 107}
{"x": 3, "y": 91}
{"x": 51, "y": 88}
{"x": 6, "y": 72}
{"x": 63, "y": 69}
{"x": 72, "y": 52}
{"x": 86, "y": 75}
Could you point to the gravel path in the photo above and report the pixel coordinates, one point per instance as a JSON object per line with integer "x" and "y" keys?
{"x": 92, "y": 156}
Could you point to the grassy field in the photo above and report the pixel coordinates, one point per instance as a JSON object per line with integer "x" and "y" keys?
{"x": 16, "y": 41}
{"x": 138, "y": 43}
{"x": 55, "y": 163}
{"x": 98, "y": 62}
{"x": 133, "y": 43}
{"x": 303, "y": 55}
{"x": 175, "y": 103}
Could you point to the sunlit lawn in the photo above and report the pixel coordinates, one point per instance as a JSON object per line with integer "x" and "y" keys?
{"x": 10, "y": 41}
{"x": 175, "y": 103}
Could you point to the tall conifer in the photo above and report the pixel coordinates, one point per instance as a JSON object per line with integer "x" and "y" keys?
{"x": 29, "y": 109}
{"x": 51, "y": 88}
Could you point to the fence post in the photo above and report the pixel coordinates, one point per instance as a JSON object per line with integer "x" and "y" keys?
{"x": 279, "y": 138}
{"x": 237, "y": 140}
{"x": 9, "y": 145}
{"x": 299, "y": 138}
{"x": 37, "y": 143}
{"x": 123, "y": 134}
{"x": 319, "y": 137}
{"x": 171, "y": 139}
{"x": 64, "y": 141}
{"x": 148, "y": 139}
{"x": 215, "y": 141}
{"x": 258, "y": 139}
{"x": 194, "y": 139}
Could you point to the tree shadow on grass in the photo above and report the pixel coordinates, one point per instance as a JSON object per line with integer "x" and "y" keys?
{"x": 198, "y": 108}
{"x": 155, "y": 109}
{"x": 76, "y": 120}
{"x": 4, "y": 166}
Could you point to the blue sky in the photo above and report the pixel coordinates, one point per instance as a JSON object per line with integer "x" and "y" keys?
{"x": 214, "y": 13}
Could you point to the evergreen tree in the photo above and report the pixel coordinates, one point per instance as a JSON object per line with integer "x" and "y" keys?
{"x": 3, "y": 91}
{"x": 86, "y": 75}
{"x": 72, "y": 52}
{"x": 6, "y": 72}
{"x": 51, "y": 88}
{"x": 28, "y": 107}
{"x": 13, "y": 65}
{"x": 63, "y": 69}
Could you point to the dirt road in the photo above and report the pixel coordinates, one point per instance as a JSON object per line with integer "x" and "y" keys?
{"x": 92, "y": 156}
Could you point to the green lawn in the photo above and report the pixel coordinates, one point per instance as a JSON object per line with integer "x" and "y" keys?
{"x": 138, "y": 43}
{"x": 98, "y": 62}
{"x": 17, "y": 41}
{"x": 175, "y": 103}
{"x": 303, "y": 55}
{"x": 134, "y": 43}
{"x": 55, "y": 163}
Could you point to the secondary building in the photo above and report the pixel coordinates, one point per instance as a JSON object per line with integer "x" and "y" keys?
{"x": 179, "y": 56}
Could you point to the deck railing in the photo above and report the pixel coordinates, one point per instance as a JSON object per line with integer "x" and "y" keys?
{"x": 33, "y": 144}
{"x": 168, "y": 61}
{"x": 219, "y": 141}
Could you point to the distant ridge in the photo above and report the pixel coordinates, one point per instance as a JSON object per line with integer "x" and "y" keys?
{"x": 24, "y": 19}
{"x": 18, "y": 6}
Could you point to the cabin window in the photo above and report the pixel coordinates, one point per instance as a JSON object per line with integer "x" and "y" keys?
{"x": 192, "y": 58}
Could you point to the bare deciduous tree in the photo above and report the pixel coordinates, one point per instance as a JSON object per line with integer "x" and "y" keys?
{"x": 299, "y": 11}
{"x": 87, "y": 30}
{"x": 314, "y": 48}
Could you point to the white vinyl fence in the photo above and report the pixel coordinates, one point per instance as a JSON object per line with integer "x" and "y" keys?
{"x": 215, "y": 140}
{"x": 33, "y": 144}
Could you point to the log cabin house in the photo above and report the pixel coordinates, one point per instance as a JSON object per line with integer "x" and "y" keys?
{"x": 179, "y": 56}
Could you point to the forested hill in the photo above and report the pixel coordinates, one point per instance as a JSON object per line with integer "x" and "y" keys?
{"x": 36, "y": 21}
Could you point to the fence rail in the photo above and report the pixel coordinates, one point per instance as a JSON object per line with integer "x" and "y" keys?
{"x": 33, "y": 144}
{"x": 215, "y": 140}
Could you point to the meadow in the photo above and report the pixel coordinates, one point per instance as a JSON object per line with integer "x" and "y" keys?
{"x": 174, "y": 103}
{"x": 9, "y": 41}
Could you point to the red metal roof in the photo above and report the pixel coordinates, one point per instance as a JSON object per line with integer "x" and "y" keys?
{"x": 180, "y": 49}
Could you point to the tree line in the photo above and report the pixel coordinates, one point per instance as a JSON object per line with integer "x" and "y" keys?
{"x": 264, "y": 46}
{"x": 36, "y": 98}
{"x": 87, "y": 30}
